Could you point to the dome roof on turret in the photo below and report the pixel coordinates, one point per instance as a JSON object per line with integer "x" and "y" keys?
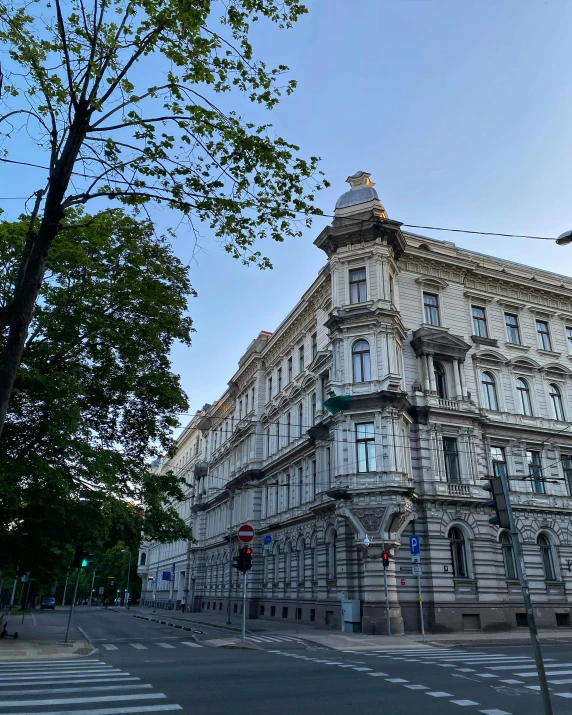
{"x": 360, "y": 193}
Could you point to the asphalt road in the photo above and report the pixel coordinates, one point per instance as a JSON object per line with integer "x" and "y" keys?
{"x": 145, "y": 667}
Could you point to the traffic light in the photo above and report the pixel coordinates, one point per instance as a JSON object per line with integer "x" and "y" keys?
{"x": 118, "y": 590}
{"x": 243, "y": 562}
{"x": 385, "y": 559}
{"x": 78, "y": 556}
{"x": 498, "y": 502}
{"x": 86, "y": 558}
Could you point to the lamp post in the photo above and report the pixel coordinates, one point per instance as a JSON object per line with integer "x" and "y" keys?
{"x": 126, "y": 551}
{"x": 564, "y": 239}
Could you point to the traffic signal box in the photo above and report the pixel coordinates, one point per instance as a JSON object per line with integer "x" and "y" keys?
{"x": 498, "y": 502}
{"x": 81, "y": 558}
{"x": 385, "y": 559}
{"x": 243, "y": 562}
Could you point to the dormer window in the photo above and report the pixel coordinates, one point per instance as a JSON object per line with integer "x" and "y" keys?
{"x": 358, "y": 286}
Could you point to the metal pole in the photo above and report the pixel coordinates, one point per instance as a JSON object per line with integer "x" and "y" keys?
{"x": 26, "y": 601}
{"x": 128, "y": 570}
{"x": 230, "y": 509}
{"x": 91, "y": 592}
{"x": 387, "y": 616}
{"x": 65, "y": 589}
{"x": 13, "y": 591}
{"x": 421, "y": 606}
{"x": 523, "y": 578}
{"x": 73, "y": 602}
{"x": 244, "y": 605}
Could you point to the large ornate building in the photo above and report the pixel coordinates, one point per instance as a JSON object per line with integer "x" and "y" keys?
{"x": 440, "y": 366}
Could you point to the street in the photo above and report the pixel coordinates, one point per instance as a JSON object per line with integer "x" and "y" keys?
{"x": 147, "y": 667}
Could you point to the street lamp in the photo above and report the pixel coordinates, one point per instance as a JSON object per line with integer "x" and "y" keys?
{"x": 564, "y": 239}
{"x": 126, "y": 551}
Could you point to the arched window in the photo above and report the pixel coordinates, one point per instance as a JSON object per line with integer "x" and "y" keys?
{"x": 547, "y": 557}
{"x": 440, "y": 380}
{"x": 524, "y": 403}
{"x": 458, "y": 553}
{"x": 300, "y": 564}
{"x": 556, "y": 399}
{"x": 489, "y": 391}
{"x": 288, "y": 564}
{"x": 143, "y": 559}
{"x": 508, "y": 555}
{"x": 277, "y": 565}
{"x": 362, "y": 367}
{"x": 314, "y": 559}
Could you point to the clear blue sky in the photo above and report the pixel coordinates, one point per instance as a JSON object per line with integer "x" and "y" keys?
{"x": 462, "y": 113}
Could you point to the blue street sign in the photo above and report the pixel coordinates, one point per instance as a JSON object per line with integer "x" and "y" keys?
{"x": 166, "y": 575}
{"x": 414, "y": 544}
{"x": 268, "y": 539}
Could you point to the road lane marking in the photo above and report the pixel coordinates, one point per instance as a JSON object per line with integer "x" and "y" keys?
{"x": 510, "y": 681}
{"x": 165, "y": 645}
{"x": 466, "y": 670}
{"x": 113, "y": 711}
{"x": 109, "y": 646}
{"x": 417, "y": 687}
{"x": 377, "y": 675}
{"x": 362, "y": 670}
{"x": 494, "y": 712}
{"x": 99, "y": 673}
{"x": 554, "y": 672}
{"x": 486, "y": 675}
{"x": 79, "y": 701}
{"x": 191, "y": 644}
{"x": 96, "y": 688}
{"x": 396, "y": 680}
{"x": 76, "y": 681}
{"x": 439, "y": 694}
{"x": 566, "y": 681}
{"x": 464, "y": 703}
{"x": 564, "y": 695}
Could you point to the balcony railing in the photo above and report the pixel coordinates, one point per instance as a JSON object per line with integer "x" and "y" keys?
{"x": 448, "y": 404}
{"x": 459, "y": 490}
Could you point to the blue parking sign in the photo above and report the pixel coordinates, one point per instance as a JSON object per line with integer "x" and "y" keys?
{"x": 414, "y": 544}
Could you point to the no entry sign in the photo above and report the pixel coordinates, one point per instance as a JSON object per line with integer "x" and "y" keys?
{"x": 245, "y": 533}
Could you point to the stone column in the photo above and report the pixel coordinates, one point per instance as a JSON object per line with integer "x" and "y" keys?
{"x": 424, "y": 373}
{"x": 458, "y": 391}
{"x": 431, "y": 370}
{"x": 462, "y": 378}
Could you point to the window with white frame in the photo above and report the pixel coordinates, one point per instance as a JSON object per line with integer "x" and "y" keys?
{"x": 569, "y": 339}
{"x": 479, "y": 321}
{"x": 489, "y": 389}
{"x": 358, "y": 285}
{"x": 313, "y": 409}
{"x": 523, "y": 393}
{"x": 301, "y": 358}
{"x": 451, "y": 456}
{"x": 314, "y": 345}
{"x": 556, "y": 402}
{"x": 300, "y": 419}
{"x": 547, "y": 556}
{"x": 567, "y": 469}
{"x": 290, "y": 369}
{"x": 361, "y": 361}
{"x": 440, "y": 380}
{"x": 534, "y": 461}
{"x": 300, "y": 486}
{"x": 512, "y": 328}
{"x": 543, "y": 335}
{"x": 314, "y": 478}
{"x": 269, "y": 388}
{"x": 498, "y": 461}
{"x": 279, "y": 380}
{"x": 365, "y": 442}
{"x": 431, "y": 308}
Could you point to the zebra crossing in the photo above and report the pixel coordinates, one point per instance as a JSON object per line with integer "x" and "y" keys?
{"x": 151, "y": 645}
{"x": 274, "y": 639}
{"x": 84, "y": 687}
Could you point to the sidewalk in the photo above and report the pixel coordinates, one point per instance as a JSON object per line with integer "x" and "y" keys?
{"x": 39, "y": 641}
{"x": 350, "y": 641}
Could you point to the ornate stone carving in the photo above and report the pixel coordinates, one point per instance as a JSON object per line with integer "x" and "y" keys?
{"x": 370, "y": 518}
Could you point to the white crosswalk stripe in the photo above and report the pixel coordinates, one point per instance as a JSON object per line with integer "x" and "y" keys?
{"x": 101, "y": 685}
{"x": 191, "y": 644}
{"x": 110, "y": 646}
{"x": 138, "y": 646}
{"x": 165, "y": 645}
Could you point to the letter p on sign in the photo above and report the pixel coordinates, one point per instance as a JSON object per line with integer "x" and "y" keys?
{"x": 414, "y": 544}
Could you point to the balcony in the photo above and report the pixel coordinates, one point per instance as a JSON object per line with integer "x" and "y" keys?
{"x": 448, "y": 404}
{"x": 459, "y": 490}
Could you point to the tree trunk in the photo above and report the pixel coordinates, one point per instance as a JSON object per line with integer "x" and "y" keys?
{"x": 32, "y": 275}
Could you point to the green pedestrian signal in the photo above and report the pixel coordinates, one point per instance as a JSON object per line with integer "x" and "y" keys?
{"x": 84, "y": 562}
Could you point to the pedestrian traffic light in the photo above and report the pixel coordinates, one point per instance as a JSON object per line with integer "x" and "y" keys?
{"x": 78, "y": 556}
{"x": 237, "y": 561}
{"x": 86, "y": 558}
{"x": 118, "y": 590}
{"x": 497, "y": 500}
{"x": 243, "y": 562}
{"x": 247, "y": 558}
{"x": 385, "y": 559}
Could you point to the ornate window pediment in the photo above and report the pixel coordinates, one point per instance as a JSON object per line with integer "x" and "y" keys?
{"x": 437, "y": 342}
{"x": 431, "y": 282}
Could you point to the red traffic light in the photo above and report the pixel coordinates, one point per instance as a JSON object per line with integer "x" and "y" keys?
{"x": 248, "y": 551}
{"x": 385, "y": 559}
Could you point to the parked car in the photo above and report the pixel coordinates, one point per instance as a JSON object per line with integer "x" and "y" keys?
{"x": 48, "y": 603}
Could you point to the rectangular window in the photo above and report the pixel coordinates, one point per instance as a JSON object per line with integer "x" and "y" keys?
{"x": 314, "y": 345}
{"x": 498, "y": 460}
{"x": 279, "y": 381}
{"x": 567, "y": 467}
{"x": 431, "y": 308}
{"x": 358, "y": 286}
{"x": 301, "y": 358}
{"x": 329, "y": 466}
{"x": 313, "y": 408}
{"x": 365, "y": 440}
{"x": 252, "y": 396}
{"x": 268, "y": 442}
{"x": 300, "y": 485}
{"x": 451, "y": 455}
{"x": 512, "y": 329}
{"x": 569, "y": 338}
{"x": 240, "y": 410}
{"x": 479, "y": 322}
{"x": 269, "y": 388}
{"x": 535, "y": 471}
{"x": 543, "y": 335}
{"x": 289, "y": 369}
{"x": 288, "y": 430}
{"x": 323, "y": 383}
{"x": 314, "y": 477}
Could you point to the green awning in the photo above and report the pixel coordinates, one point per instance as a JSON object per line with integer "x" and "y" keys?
{"x": 338, "y": 403}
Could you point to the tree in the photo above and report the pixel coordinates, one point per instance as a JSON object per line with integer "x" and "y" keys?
{"x": 75, "y": 81}
{"x": 95, "y": 400}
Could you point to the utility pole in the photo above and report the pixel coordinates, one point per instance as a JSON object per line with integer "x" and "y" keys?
{"x": 91, "y": 592}
{"x": 499, "y": 490}
{"x": 65, "y": 589}
{"x": 385, "y": 563}
{"x": 73, "y": 602}
{"x": 13, "y": 592}
{"x": 126, "y": 551}
{"x": 244, "y": 606}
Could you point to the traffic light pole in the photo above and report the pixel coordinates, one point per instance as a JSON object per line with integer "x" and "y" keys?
{"x": 91, "y": 592}
{"x": 523, "y": 578}
{"x": 230, "y": 508}
{"x": 387, "y": 614}
{"x": 73, "y": 602}
{"x": 244, "y": 606}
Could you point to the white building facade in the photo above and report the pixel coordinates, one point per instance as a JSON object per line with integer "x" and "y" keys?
{"x": 441, "y": 366}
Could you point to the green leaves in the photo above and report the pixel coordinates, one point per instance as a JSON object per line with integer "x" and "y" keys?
{"x": 82, "y": 66}
{"x": 95, "y": 399}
